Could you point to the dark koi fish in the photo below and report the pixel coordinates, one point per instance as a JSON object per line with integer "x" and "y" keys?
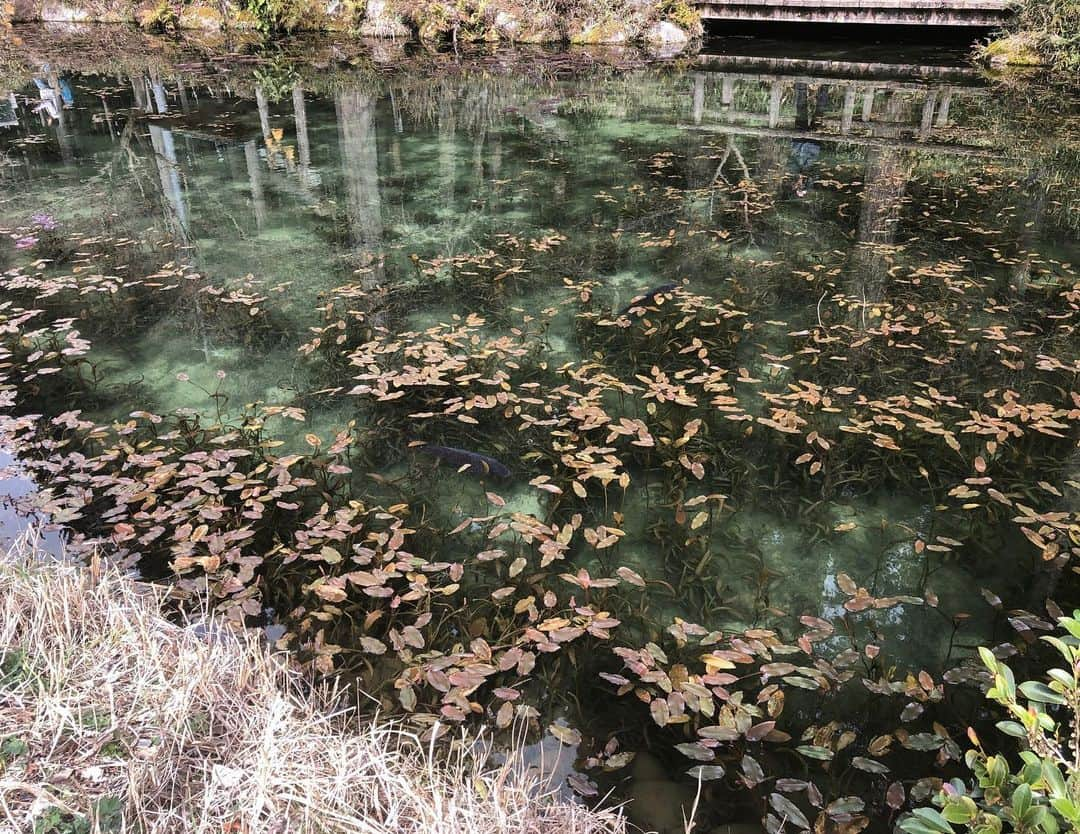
{"x": 475, "y": 463}
{"x": 647, "y": 298}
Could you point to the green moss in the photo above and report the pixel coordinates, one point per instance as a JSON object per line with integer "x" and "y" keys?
{"x": 475, "y": 19}
{"x": 431, "y": 20}
{"x": 610, "y": 31}
{"x": 466, "y": 20}
{"x": 682, "y": 14}
{"x": 1013, "y": 50}
{"x": 161, "y": 18}
{"x": 355, "y": 12}
{"x": 528, "y": 35}
{"x": 1044, "y": 32}
{"x": 206, "y": 18}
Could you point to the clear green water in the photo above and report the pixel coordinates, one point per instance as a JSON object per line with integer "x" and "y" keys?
{"x": 720, "y": 176}
{"x": 285, "y": 200}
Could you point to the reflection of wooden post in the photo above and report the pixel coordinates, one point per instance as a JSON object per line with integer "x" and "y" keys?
{"x": 447, "y": 149}
{"x": 727, "y": 91}
{"x": 886, "y": 176}
{"x": 478, "y": 158}
{"x": 1031, "y": 217}
{"x": 233, "y": 161}
{"x": 264, "y": 113}
{"x": 174, "y": 205}
{"x": 495, "y": 172}
{"x": 108, "y": 116}
{"x": 169, "y": 172}
{"x": 254, "y": 172}
{"x": 699, "y": 97}
{"x": 159, "y": 93}
{"x": 849, "y": 109}
{"x": 943, "y": 109}
{"x": 360, "y": 172}
{"x": 138, "y": 91}
{"x": 399, "y": 126}
{"x": 302, "y": 142}
{"x": 776, "y": 96}
{"x": 64, "y": 138}
{"x": 885, "y": 179}
{"x": 928, "y": 114}
{"x": 868, "y": 103}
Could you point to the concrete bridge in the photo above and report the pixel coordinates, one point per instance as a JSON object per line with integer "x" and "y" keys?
{"x": 970, "y": 13}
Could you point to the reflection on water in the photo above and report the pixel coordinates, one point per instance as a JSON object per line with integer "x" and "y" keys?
{"x": 767, "y": 158}
{"x": 279, "y": 205}
{"x": 16, "y": 524}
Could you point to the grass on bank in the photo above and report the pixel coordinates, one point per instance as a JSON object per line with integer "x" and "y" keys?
{"x": 114, "y": 719}
{"x": 1042, "y": 32}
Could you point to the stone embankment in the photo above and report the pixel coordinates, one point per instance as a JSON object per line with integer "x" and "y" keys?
{"x": 667, "y": 24}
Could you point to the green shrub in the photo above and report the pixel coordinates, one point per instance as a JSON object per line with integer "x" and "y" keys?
{"x": 278, "y": 15}
{"x": 1039, "y": 793}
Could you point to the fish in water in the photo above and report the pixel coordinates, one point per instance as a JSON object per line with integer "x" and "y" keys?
{"x": 473, "y": 462}
{"x": 647, "y": 298}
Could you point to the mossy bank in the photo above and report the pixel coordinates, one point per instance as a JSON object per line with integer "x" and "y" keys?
{"x": 666, "y": 23}
{"x": 1042, "y": 33}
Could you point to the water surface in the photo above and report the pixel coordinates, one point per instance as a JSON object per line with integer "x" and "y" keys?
{"x": 811, "y": 200}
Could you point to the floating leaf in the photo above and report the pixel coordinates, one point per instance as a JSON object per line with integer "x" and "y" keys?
{"x": 566, "y": 735}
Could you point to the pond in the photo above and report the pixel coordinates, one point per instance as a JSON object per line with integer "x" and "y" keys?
{"x": 633, "y": 396}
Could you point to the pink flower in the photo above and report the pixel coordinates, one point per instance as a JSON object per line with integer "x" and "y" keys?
{"x": 25, "y": 242}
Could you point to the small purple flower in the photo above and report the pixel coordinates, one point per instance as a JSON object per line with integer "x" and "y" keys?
{"x": 46, "y": 222}
{"x": 25, "y": 242}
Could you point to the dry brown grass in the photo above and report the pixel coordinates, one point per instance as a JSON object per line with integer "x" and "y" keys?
{"x": 104, "y": 704}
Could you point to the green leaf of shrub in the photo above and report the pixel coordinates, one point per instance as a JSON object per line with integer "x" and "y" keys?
{"x": 1035, "y": 691}
{"x": 933, "y": 820}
